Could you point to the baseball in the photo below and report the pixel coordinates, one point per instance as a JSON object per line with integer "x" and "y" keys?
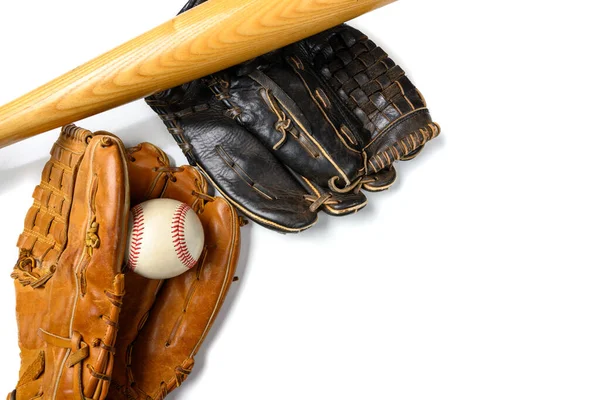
{"x": 166, "y": 239}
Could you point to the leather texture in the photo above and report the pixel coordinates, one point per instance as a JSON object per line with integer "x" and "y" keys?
{"x": 301, "y": 129}
{"x": 88, "y": 329}
{"x": 68, "y": 279}
{"x": 164, "y": 323}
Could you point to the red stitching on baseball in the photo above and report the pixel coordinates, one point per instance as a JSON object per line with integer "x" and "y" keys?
{"x": 178, "y": 233}
{"x": 137, "y": 234}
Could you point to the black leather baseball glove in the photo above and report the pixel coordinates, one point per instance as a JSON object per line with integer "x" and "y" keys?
{"x": 301, "y": 129}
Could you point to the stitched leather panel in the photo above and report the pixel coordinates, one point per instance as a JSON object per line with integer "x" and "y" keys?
{"x": 238, "y": 163}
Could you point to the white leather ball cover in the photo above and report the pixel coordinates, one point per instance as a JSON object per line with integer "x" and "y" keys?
{"x": 166, "y": 239}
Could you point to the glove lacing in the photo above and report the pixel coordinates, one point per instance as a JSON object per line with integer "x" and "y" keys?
{"x": 24, "y": 271}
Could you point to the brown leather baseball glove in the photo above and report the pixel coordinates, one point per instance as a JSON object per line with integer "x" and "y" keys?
{"x": 83, "y": 321}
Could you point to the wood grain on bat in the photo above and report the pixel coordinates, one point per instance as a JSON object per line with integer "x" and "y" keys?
{"x": 206, "y": 39}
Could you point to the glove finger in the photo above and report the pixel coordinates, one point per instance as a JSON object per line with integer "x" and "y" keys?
{"x": 83, "y": 289}
{"x": 402, "y": 143}
{"x": 102, "y": 196}
{"x": 38, "y": 255}
{"x": 381, "y": 180}
{"x": 148, "y": 168}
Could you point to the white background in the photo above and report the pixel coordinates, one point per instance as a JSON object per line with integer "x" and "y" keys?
{"x": 475, "y": 277}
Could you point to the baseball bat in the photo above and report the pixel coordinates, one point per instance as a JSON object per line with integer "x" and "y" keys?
{"x": 206, "y": 39}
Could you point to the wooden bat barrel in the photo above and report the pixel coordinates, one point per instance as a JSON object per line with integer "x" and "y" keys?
{"x": 201, "y": 41}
